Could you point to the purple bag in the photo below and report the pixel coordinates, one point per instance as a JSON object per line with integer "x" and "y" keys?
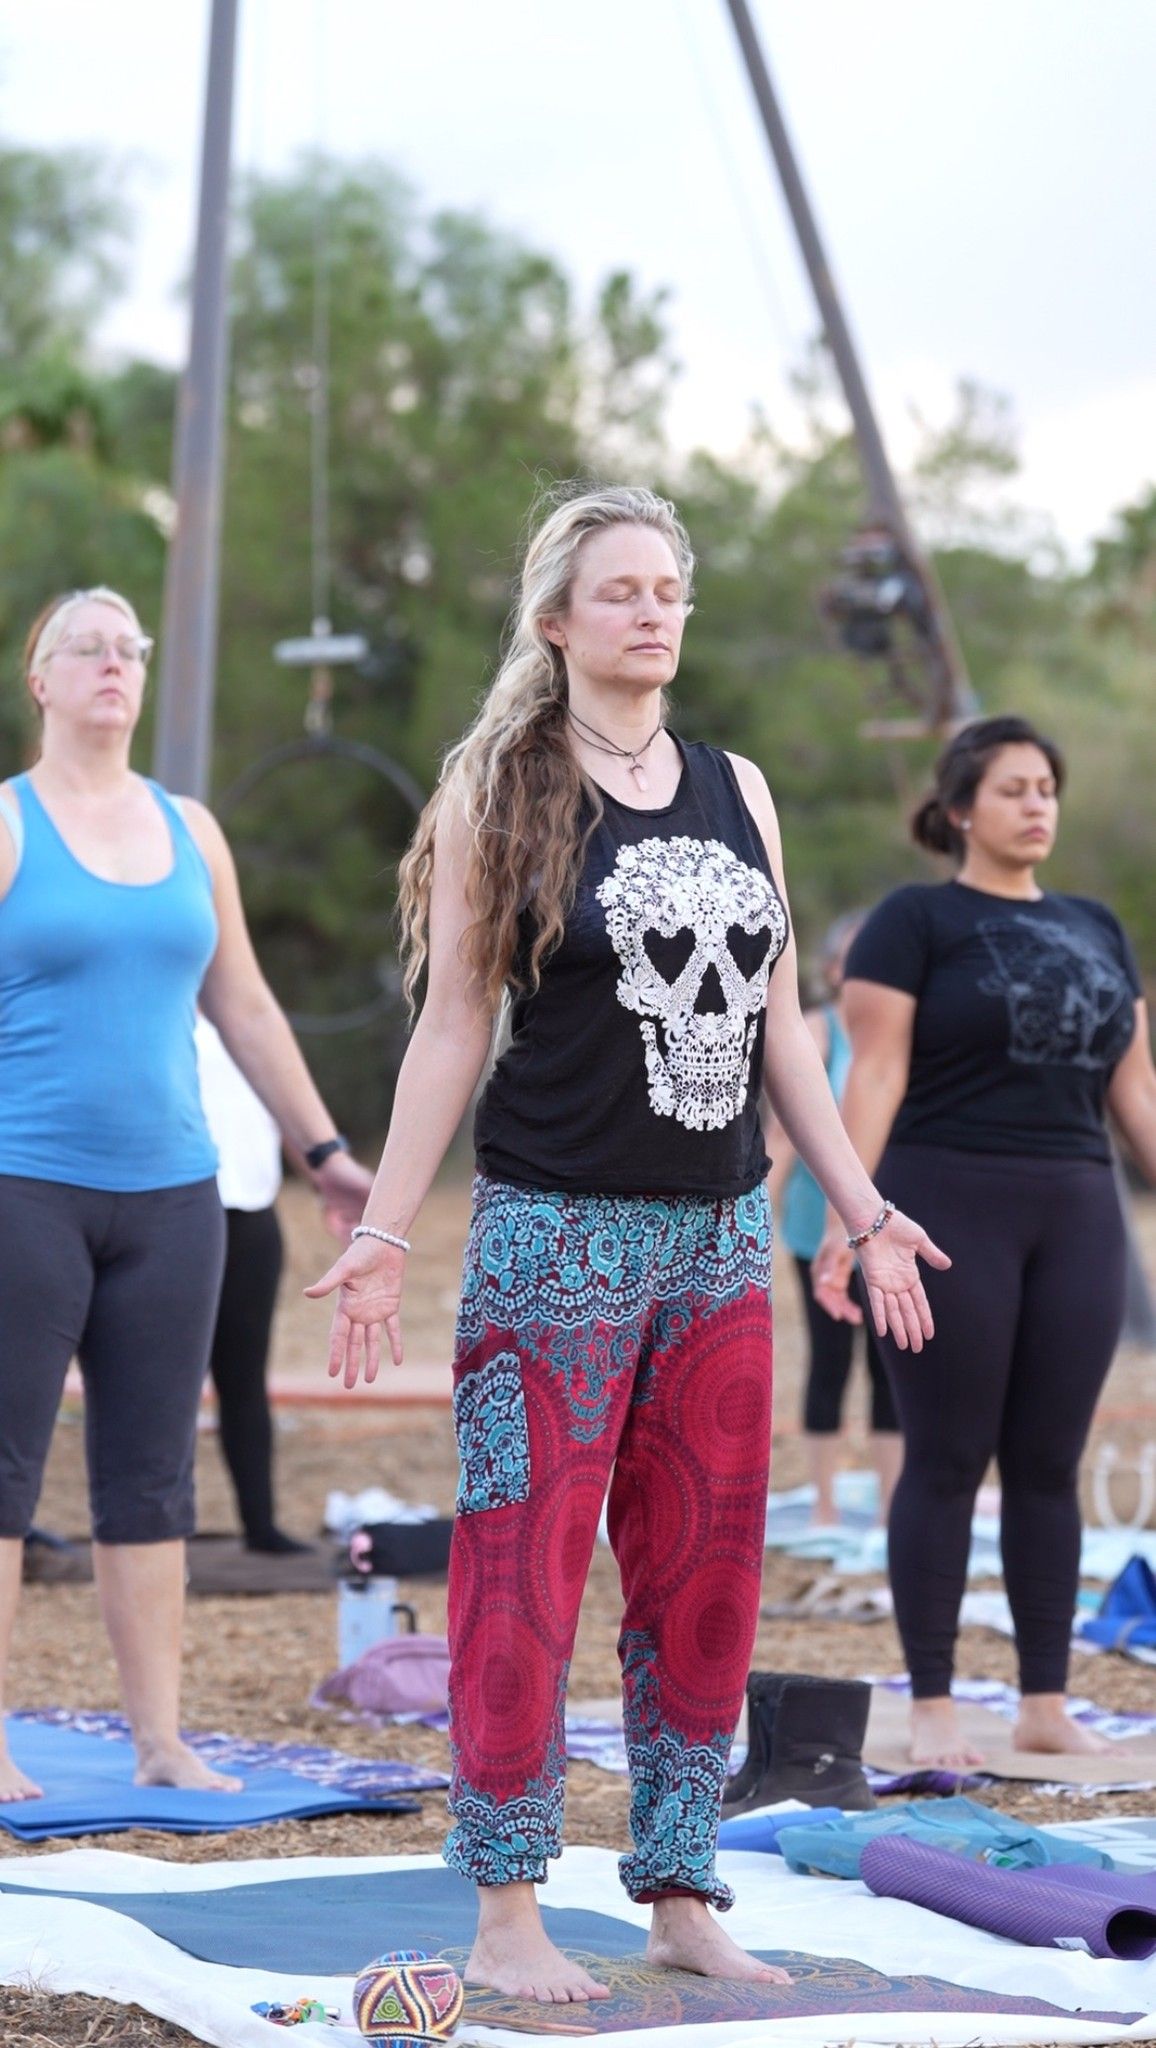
{"x": 403, "y": 1675}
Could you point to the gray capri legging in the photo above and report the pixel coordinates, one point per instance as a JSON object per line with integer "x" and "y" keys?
{"x": 128, "y": 1283}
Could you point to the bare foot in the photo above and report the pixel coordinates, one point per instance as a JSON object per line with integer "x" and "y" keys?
{"x": 13, "y": 1783}
{"x": 936, "y": 1743}
{"x": 527, "y": 1965}
{"x": 175, "y": 1764}
{"x": 513, "y": 1953}
{"x": 1045, "y": 1726}
{"x": 685, "y": 1936}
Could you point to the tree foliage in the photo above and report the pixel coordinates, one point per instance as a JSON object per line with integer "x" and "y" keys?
{"x": 463, "y": 370}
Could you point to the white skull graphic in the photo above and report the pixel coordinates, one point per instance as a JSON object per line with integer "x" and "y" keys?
{"x": 697, "y": 1058}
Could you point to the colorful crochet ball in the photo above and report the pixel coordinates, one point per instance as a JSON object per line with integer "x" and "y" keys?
{"x": 407, "y": 1997}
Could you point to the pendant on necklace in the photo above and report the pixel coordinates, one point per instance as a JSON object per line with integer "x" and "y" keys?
{"x": 639, "y": 774}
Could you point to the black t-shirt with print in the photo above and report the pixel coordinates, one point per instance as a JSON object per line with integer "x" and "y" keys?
{"x": 1023, "y": 1010}
{"x": 635, "y": 1067}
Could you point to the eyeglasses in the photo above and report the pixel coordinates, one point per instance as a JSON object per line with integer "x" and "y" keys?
{"x": 94, "y": 647}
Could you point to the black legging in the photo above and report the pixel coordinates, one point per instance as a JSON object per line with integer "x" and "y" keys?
{"x": 239, "y": 1355}
{"x": 829, "y": 1364}
{"x": 1026, "y": 1324}
{"x": 127, "y": 1282}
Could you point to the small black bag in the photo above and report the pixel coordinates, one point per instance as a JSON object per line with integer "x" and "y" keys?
{"x": 402, "y": 1550}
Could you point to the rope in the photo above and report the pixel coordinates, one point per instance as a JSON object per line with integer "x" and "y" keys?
{"x": 319, "y": 411}
{"x": 753, "y": 227}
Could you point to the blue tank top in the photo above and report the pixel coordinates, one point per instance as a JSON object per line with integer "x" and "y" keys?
{"x": 98, "y": 994}
{"x": 804, "y": 1203}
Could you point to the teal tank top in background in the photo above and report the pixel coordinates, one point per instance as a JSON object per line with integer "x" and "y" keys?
{"x": 804, "y": 1203}
{"x": 98, "y": 998}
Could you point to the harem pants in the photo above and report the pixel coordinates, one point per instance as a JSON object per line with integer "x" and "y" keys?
{"x": 620, "y": 1339}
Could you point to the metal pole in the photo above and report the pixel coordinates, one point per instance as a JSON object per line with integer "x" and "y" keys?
{"x": 182, "y": 755}
{"x": 953, "y": 696}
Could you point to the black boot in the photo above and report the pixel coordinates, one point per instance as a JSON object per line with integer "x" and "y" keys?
{"x": 810, "y": 1739}
{"x": 763, "y": 1689}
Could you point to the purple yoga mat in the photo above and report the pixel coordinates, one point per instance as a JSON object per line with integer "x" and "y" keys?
{"x": 1107, "y": 1912}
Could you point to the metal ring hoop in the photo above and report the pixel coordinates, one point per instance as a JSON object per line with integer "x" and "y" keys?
{"x": 319, "y": 746}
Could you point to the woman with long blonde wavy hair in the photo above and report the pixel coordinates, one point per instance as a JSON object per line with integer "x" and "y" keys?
{"x": 624, "y": 890}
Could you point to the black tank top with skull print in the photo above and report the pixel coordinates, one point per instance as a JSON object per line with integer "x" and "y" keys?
{"x": 635, "y": 1067}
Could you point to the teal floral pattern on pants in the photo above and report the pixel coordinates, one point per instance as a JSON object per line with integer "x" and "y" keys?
{"x": 587, "y": 1283}
{"x": 490, "y": 1419}
{"x": 676, "y": 1790}
{"x": 610, "y": 1350}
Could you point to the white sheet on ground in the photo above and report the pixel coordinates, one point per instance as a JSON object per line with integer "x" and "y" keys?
{"x": 856, "y": 1543}
{"x": 65, "y": 1946}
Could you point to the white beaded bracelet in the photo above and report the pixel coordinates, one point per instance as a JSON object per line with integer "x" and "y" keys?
{"x": 386, "y": 1236}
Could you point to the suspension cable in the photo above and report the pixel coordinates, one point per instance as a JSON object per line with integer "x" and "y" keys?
{"x": 320, "y": 537}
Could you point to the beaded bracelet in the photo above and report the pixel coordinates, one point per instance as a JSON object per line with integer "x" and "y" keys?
{"x": 873, "y": 1229}
{"x": 386, "y": 1236}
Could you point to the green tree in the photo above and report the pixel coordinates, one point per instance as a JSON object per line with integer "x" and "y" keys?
{"x": 461, "y": 373}
{"x": 62, "y": 227}
{"x": 68, "y": 514}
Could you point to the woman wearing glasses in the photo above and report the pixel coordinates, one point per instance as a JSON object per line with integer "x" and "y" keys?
{"x": 119, "y": 912}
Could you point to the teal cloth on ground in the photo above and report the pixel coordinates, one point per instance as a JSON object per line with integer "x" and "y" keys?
{"x": 804, "y": 1207}
{"x": 834, "y": 1848}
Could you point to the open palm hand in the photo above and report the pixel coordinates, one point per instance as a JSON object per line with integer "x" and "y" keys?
{"x": 367, "y": 1279}
{"x": 889, "y": 1265}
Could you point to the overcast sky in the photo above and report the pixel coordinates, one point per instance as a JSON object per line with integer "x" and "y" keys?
{"x": 984, "y": 172}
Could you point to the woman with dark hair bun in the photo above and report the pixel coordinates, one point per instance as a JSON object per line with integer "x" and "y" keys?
{"x": 992, "y": 1024}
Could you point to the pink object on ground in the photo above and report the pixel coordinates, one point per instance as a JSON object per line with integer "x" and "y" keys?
{"x": 403, "y": 1675}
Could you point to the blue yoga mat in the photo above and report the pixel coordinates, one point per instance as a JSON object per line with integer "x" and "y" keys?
{"x": 762, "y": 1830}
{"x": 331, "y": 1926}
{"x": 88, "y": 1790}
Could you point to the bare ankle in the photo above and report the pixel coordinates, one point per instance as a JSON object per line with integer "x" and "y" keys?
{"x": 499, "y": 1905}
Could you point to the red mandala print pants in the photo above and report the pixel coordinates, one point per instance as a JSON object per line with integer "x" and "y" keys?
{"x": 624, "y": 1343}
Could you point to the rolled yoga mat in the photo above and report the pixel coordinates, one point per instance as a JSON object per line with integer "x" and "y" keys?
{"x": 1108, "y": 1913}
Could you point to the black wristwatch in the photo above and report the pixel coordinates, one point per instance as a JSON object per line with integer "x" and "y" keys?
{"x": 318, "y": 1154}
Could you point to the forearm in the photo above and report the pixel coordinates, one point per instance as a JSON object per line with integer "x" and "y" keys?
{"x": 805, "y": 1107}
{"x": 870, "y": 1103}
{"x": 258, "y": 1037}
{"x": 781, "y": 1154}
{"x": 782, "y": 1159}
{"x": 1135, "y": 1119}
{"x": 440, "y": 1071}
